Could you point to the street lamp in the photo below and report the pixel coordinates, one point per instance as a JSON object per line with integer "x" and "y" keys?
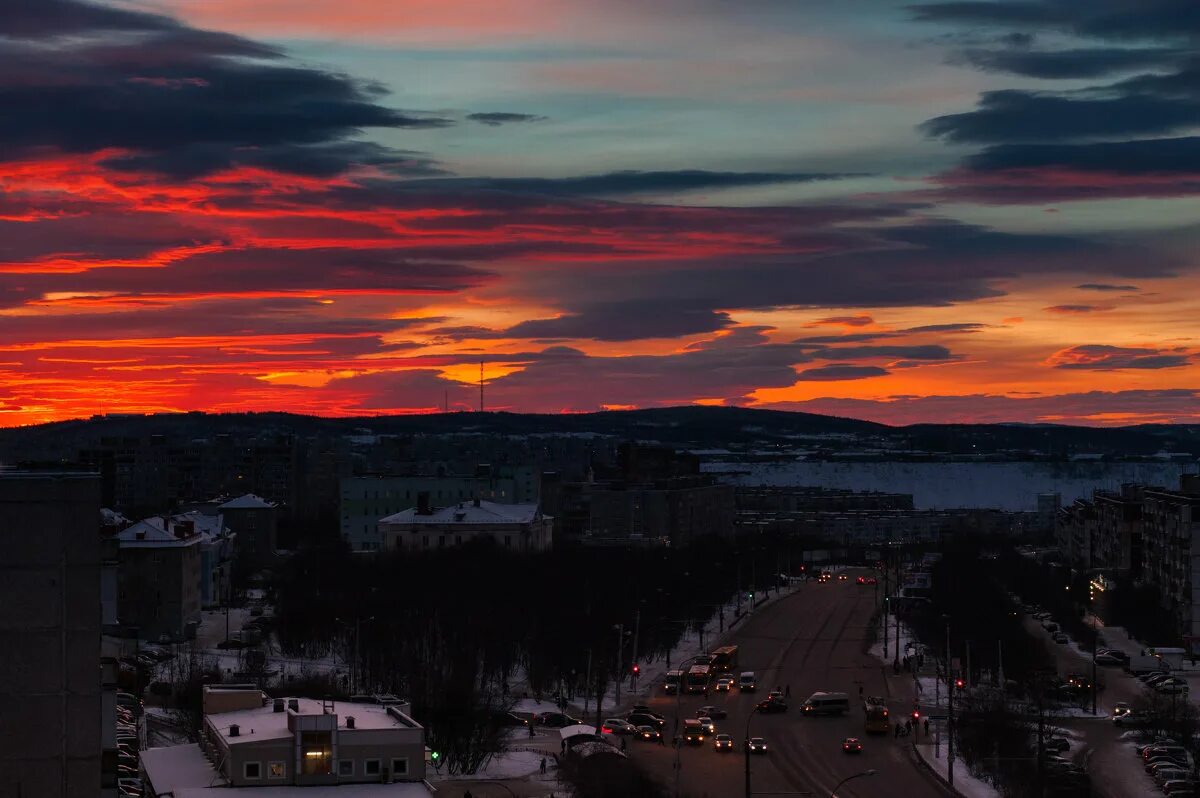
{"x": 871, "y": 772}
{"x": 678, "y": 699}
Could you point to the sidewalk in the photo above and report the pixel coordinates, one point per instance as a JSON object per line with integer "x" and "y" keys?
{"x": 965, "y": 784}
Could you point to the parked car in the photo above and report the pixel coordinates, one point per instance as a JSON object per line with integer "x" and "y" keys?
{"x": 716, "y": 713}
{"x": 1131, "y": 720}
{"x": 1056, "y": 744}
{"x": 1175, "y": 786}
{"x": 557, "y": 720}
{"x": 1060, "y": 638}
{"x": 1106, "y": 658}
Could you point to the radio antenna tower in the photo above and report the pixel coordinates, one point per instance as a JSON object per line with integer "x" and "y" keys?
{"x": 481, "y": 386}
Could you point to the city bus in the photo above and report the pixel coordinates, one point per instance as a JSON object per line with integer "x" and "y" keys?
{"x": 697, "y": 678}
{"x": 725, "y": 659}
{"x": 877, "y": 719}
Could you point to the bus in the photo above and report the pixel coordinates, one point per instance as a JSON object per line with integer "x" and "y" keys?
{"x": 697, "y": 678}
{"x": 671, "y": 682}
{"x": 725, "y": 659}
{"x": 877, "y": 719}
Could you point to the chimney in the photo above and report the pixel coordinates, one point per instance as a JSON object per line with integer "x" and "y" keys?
{"x": 476, "y": 501}
{"x": 279, "y": 705}
{"x": 349, "y": 721}
{"x": 294, "y": 704}
{"x": 234, "y": 730}
{"x": 1189, "y": 484}
{"x": 423, "y": 505}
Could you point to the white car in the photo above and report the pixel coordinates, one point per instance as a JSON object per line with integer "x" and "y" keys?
{"x": 707, "y": 724}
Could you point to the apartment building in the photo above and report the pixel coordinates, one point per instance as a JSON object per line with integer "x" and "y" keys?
{"x": 520, "y": 527}
{"x": 159, "y": 575}
{"x": 1118, "y": 543}
{"x": 1171, "y": 549}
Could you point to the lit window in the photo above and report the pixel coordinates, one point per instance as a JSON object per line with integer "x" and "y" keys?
{"x": 276, "y": 770}
{"x": 371, "y": 767}
{"x": 252, "y": 770}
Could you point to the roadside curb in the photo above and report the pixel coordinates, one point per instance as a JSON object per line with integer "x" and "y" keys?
{"x": 920, "y": 760}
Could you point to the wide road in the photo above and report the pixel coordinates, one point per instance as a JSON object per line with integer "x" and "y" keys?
{"x": 808, "y": 641}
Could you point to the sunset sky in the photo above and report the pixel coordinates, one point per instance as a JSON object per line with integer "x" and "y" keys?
{"x": 944, "y": 211}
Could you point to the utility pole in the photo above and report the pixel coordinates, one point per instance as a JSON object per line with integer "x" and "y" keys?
{"x": 620, "y": 634}
{"x": 1000, "y": 661}
{"x": 937, "y": 731}
{"x": 587, "y": 680}
{"x": 1095, "y": 634}
{"x": 886, "y": 594}
{"x": 637, "y": 627}
{"x": 949, "y": 714}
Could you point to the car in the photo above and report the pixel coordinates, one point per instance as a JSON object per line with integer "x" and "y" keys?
{"x": 1156, "y": 763}
{"x": 862, "y": 580}
{"x": 723, "y": 742}
{"x": 1060, "y": 638}
{"x": 707, "y": 724}
{"x": 1177, "y": 785}
{"x": 716, "y": 713}
{"x": 1121, "y": 708}
{"x": 1163, "y": 749}
{"x": 646, "y": 719}
{"x": 851, "y": 745}
{"x": 1153, "y": 678}
{"x": 617, "y": 726}
{"x": 1041, "y": 615}
{"x": 843, "y": 578}
{"x": 825, "y": 576}
{"x": 724, "y": 684}
{"x": 757, "y": 745}
{"x": 557, "y": 720}
{"x": 1171, "y": 688}
{"x": 649, "y": 734}
{"x": 871, "y": 581}
{"x": 1164, "y": 774}
{"x": 508, "y": 719}
{"x": 1105, "y": 658}
{"x": 1056, "y": 744}
{"x": 1131, "y": 719}
{"x": 770, "y": 705}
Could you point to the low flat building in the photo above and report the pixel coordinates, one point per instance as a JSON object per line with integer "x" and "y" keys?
{"x": 522, "y": 527}
{"x": 251, "y": 740}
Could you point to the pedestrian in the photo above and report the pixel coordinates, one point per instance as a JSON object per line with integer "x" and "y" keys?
{"x": 860, "y": 691}
{"x": 543, "y": 766}
{"x": 563, "y": 747}
{"x": 787, "y": 691}
{"x": 531, "y": 732}
{"x": 897, "y": 734}
{"x": 926, "y": 727}
{"x": 661, "y": 741}
{"x": 908, "y": 725}
{"x": 622, "y": 743}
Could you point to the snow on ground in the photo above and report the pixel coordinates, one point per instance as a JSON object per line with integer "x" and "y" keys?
{"x": 964, "y": 783}
{"x": 507, "y": 765}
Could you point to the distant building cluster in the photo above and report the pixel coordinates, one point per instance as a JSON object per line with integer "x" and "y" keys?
{"x": 1145, "y": 533}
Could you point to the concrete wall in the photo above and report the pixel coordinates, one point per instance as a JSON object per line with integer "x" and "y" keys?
{"x": 50, "y": 678}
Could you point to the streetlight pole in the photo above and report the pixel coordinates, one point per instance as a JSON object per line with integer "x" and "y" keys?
{"x": 746, "y": 746}
{"x": 675, "y": 736}
{"x": 833, "y": 792}
{"x": 620, "y": 638}
{"x": 949, "y": 713}
{"x": 637, "y": 628}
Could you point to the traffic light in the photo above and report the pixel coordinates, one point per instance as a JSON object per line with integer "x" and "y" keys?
{"x": 637, "y": 669}
{"x": 959, "y": 684}
{"x": 916, "y": 715}
{"x": 435, "y": 757}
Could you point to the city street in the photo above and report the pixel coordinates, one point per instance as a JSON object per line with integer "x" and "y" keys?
{"x": 809, "y": 641}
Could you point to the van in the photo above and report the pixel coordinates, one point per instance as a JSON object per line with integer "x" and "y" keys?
{"x": 826, "y": 704}
{"x": 693, "y": 731}
{"x": 671, "y": 682}
{"x": 747, "y": 682}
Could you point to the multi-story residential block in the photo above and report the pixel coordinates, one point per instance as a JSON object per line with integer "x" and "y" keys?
{"x": 254, "y": 523}
{"x": 1171, "y": 550}
{"x": 366, "y": 499}
{"x": 159, "y": 577}
{"x": 1075, "y": 533}
{"x": 251, "y": 740}
{"x": 521, "y": 527}
{"x": 1118, "y": 544}
{"x": 51, "y": 716}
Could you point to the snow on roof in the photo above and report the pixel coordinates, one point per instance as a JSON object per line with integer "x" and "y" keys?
{"x": 154, "y": 532}
{"x": 264, "y": 723}
{"x": 178, "y": 766}
{"x": 580, "y": 728}
{"x": 183, "y": 771}
{"x": 212, "y": 526}
{"x": 112, "y": 517}
{"x": 469, "y": 513}
{"x": 247, "y": 502}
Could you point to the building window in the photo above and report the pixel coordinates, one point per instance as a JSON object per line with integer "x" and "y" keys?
{"x": 252, "y": 770}
{"x": 371, "y": 767}
{"x": 276, "y": 770}
{"x": 508, "y": 540}
{"x": 399, "y": 767}
{"x": 345, "y": 767}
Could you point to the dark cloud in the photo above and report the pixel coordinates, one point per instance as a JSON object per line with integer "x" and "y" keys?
{"x": 1137, "y": 157}
{"x": 625, "y": 321}
{"x": 629, "y": 182}
{"x": 1015, "y": 115}
{"x": 1108, "y": 19}
{"x": 840, "y": 371}
{"x": 86, "y": 78}
{"x": 959, "y": 327}
{"x": 312, "y": 160}
{"x": 1106, "y": 287}
{"x": 1077, "y": 309}
{"x": 497, "y": 118}
{"x": 1099, "y": 357}
{"x": 1066, "y": 64}
{"x": 861, "y": 320}
{"x": 923, "y": 353}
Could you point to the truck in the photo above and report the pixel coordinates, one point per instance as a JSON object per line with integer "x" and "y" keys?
{"x": 1146, "y": 664}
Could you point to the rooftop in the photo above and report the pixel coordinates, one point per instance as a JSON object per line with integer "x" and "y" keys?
{"x": 158, "y": 532}
{"x": 247, "y": 502}
{"x": 469, "y": 513}
{"x": 264, "y": 723}
{"x": 183, "y": 771}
